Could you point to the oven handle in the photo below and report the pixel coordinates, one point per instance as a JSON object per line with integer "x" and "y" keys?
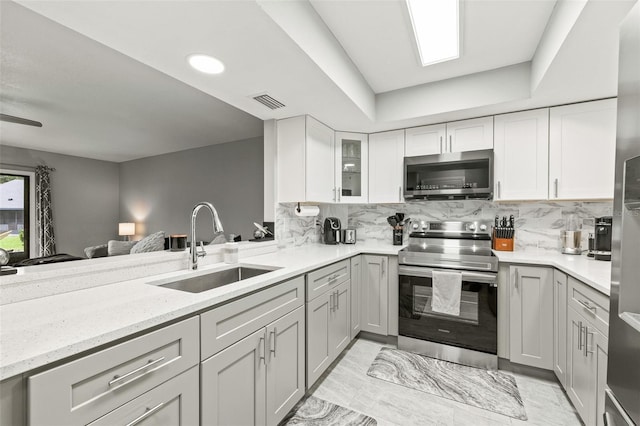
{"x": 421, "y": 271}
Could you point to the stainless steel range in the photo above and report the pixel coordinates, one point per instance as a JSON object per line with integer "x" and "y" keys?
{"x": 469, "y": 338}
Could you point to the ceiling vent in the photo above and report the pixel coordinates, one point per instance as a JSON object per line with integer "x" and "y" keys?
{"x": 268, "y": 101}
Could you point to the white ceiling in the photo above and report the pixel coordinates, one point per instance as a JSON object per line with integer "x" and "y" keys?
{"x": 352, "y": 63}
{"x": 378, "y": 37}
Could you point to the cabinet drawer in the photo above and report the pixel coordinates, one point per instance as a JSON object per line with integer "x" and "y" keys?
{"x": 325, "y": 278}
{"x": 83, "y": 390}
{"x": 590, "y": 303}
{"x": 175, "y": 403}
{"x": 223, "y": 326}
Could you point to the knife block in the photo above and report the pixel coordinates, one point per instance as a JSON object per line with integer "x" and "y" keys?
{"x": 502, "y": 244}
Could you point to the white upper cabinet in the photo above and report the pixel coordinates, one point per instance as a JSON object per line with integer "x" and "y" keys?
{"x": 305, "y": 171}
{"x": 582, "y": 139}
{"x": 425, "y": 140}
{"x": 352, "y": 165}
{"x": 469, "y": 135}
{"x": 521, "y": 152}
{"x": 386, "y": 158}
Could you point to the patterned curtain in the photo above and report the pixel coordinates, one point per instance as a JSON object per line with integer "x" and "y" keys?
{"x": 44, "y": 216}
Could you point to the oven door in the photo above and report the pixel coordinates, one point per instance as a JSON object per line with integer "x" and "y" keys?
{"x": 476, "y": 326}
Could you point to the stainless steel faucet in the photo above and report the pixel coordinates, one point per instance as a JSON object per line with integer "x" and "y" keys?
{"x": 217, "y": 227}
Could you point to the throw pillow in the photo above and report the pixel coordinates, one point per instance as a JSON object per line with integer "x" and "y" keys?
{"x": 96, "y": 251}
{"x": 153, "y": 242}
{"x": 117, "y": 248}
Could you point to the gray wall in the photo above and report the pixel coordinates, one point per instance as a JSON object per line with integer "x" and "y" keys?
{"x": 85, "y": 196}
{"x": 159, "y": 192}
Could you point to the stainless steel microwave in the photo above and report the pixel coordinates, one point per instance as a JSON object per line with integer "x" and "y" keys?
{"x": 449, "y": 176}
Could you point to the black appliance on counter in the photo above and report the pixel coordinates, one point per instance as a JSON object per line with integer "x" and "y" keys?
{"x": 331, "y": 230}
{"x": 470, "y": 338}
{"x": 602, "y": 245}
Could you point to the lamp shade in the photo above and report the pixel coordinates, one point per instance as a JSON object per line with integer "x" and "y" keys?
{"x": 126, "y": 229}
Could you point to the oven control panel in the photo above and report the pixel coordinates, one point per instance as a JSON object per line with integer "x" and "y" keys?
{"x": 476, "y": 227}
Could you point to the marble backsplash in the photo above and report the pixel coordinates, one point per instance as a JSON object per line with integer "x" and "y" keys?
{"x": 538, "y": 224}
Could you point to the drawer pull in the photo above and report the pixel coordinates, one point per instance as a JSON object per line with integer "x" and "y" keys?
{"x": 117, "y": 379}
{"x": 580, "y": 336}
{"x": 338, "y": 299}
{"x": 587, "y": 305}
{"x": 262, "y": 351}
{"x": 146, "y": 414}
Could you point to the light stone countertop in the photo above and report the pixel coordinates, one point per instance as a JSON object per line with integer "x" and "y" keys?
{"x": 595, "y": 273}
{"x": 36, "y": 332}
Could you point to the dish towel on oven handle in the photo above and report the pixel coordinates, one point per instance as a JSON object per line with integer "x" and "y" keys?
{"x": 447, "y": 290}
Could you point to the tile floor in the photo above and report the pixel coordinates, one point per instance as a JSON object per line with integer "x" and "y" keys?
{"x": 347, "y": 384}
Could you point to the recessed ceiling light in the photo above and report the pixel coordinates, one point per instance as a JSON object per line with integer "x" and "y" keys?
{"x": 436, "y": 26}
{"x": 206, "y": 64}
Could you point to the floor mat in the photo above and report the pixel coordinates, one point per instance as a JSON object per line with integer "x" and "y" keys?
{"x": 318, "y": 412}
{"x": 487, "y": 389}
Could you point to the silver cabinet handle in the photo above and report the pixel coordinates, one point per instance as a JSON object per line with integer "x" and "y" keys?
{"x": 450, "y": 143}
{"x": 261, "y": 353}
{"x": 587, "y": 305}
{"x": 580, "y": 336}
{"x": 383, "y": 266}
{"x": 400, "y": 193}
{"x": 339, "y": 194}
{"x": 441, "y": 151}
{"x": 117, "y": 379}
{"x": 555, "y": 184}
{"x": 499, "y": 191}
{"x": 334, "y": 194}
{"x": 516, "y": 278}
{"x": 275, "y": 335}
{"x": 331, "y": 301}
{"x": 146, "y": 414}
{"x": 337, "y": 299}
{"x": 587, "y": 351}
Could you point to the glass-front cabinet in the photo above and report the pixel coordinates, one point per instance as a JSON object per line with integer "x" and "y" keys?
{"x": 352, "y": 161}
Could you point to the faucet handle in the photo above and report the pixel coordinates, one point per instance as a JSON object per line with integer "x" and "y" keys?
{"x": 202, "y": 252}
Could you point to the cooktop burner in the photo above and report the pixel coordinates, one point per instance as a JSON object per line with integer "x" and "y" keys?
{"x": 451, "y": 245}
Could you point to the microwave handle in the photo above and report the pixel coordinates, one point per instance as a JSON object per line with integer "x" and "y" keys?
{"x": 421, "y": 271}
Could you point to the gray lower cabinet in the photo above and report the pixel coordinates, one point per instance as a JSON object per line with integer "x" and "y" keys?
{"x": 375, "y": 292}
{"x": 587, "y": 323}
{"x": 175, "y": 402}
{"x": 85, "y": 390}
{"x": 560, "y": 325}
{"x": 531, "y": 316}
{"x": 328, "y": 329}
{"x": 356, "y": 291}
{"x": 257, "y": 380}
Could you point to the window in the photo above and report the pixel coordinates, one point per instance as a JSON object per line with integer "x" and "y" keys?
{"x": 16, "y": 213}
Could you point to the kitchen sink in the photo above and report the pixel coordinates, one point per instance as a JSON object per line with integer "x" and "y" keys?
{"x": 216, "y": 279}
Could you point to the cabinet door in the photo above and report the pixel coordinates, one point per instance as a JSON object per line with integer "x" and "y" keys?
{"x": 174, "y": 402}
{"x": 560, "y": 325}
{"x": 340, "y": 320}
{"x": 521, "y": 155}
{"x": 425, "y": 140}
{"x": 291, "y": 147}
{"x": 356, "y": 292}
{"x": 285, "y": 364}
{"x": 374, "y": 294}
{"x": 581, "y": 378}
{"x": 233, "y": 384}
{"x": 352, "y": 167}
{"x": 318, "y": 348}
{"x": 582, "y": 139}
{"x": 470, "y": 135}
{"x": 601, "y": 353}
{"x": 319, "y": 176}
{"x": 386, "y": 162}
{"x": 531, "y": 311}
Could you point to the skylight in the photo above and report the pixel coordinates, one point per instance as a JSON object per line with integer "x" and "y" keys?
{"x": 436, "y": 28}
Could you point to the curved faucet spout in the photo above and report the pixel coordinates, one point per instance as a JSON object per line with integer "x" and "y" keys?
{"x": 217, "y": 227}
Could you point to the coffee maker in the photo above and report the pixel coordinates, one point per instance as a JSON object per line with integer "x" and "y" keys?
{"x": 331, "y": 230}
{"x": 602, "y": 249}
